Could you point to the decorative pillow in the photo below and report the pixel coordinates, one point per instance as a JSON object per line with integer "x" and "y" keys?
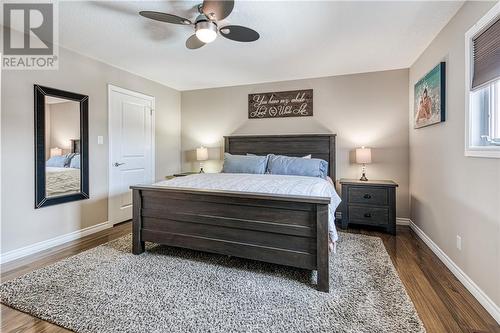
{"x": 244, "y": 164}
{"x": 68, "y": 159}
{"x": 297, "y": 166}
{"x": 56, "y": 161}
{"x": 75, "y": 162}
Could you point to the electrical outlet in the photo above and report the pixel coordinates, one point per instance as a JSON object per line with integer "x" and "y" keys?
{"x": 100, "y": 140}
{"x": 459, "y": 243}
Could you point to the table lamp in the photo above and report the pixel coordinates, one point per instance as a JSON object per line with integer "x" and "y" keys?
{"x": 55, "y": 151}
{"x": 363, "y": 156}
{"x": 201, "y": 155}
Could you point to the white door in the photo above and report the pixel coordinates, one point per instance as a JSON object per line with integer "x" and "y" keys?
{"x": 131, "y": 148}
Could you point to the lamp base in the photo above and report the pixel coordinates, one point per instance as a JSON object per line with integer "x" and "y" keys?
{"x": 363, "y": 178}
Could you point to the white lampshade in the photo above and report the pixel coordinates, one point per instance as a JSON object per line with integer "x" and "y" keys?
{"x": 206, "y": 31}
{"x": 201, "y": 154}
{"x": 55, "y": 152}
{"x": 363, "y": 155}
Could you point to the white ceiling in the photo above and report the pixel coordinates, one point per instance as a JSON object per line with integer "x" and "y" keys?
{"x": 299, "y": 39}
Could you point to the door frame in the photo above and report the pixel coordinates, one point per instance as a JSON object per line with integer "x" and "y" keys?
{"x": 112, "y": 88}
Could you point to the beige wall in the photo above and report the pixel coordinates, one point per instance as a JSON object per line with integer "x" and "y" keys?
{"x": 452, "y": 194}
{"x": 363, "y": 109}
{"x": 47, "y": 130}
{"x": 23, "y": 225}
{"x": 64, "y": 125}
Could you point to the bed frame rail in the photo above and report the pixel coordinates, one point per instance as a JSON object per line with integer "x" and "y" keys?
{"x": 280, "y": 229}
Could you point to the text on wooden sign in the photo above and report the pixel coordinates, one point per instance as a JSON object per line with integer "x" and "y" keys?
{"x": 297, "y": 103}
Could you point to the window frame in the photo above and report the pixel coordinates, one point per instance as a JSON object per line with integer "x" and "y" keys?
{"x": 492, "y": 151}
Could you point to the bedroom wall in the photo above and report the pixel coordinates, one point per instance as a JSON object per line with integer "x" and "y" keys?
{"x": 48, "y": 129}
{"x": 21, "y": 224}
{"x": 64, "y": 125}
{"x": 452, "y": 194}
{"x": 362, "y": 109}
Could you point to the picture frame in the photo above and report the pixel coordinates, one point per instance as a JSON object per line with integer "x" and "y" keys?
{"x": 429, "y": 100}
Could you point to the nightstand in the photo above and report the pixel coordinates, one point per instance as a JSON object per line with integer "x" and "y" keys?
{"x": 370, "y": 202}
{"x": 181, "y": 174}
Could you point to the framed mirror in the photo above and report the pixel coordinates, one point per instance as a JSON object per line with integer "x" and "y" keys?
{"x": 61, "y": 146}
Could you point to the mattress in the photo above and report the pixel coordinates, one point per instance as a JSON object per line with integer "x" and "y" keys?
{"x": 61, "y": 181}
{"x": 264, "y": 183}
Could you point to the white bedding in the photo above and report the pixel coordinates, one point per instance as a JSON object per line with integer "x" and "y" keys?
{"x": 61, "y": 181}
{"x": 274, "y": 184}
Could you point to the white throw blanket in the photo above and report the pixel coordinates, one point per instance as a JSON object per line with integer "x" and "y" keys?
{"x": 259, "y": 183}
{"x": 61, "y": 181}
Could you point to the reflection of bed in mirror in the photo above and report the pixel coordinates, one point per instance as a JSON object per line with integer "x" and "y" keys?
{"x": 61, "y": 181}
{"x": 62, "y": 132}
{"x": 65, "y": 179}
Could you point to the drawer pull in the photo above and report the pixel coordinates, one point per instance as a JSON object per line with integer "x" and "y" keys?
{"x": 368, "y": 215}
{"x": 367, "y": 196}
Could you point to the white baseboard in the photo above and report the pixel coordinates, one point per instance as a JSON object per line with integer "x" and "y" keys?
{"x": 473, "y": 288}
{"x": 44, "y": 245}
{"x": 402, "y": 221}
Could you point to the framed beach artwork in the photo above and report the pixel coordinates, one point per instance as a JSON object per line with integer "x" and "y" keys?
{"x": 429, "y": 98}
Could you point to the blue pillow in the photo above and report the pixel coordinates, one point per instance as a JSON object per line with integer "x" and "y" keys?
{"x": 75, "y": 162}
{"x": 56, "y": 161}
{"x": 244, "y": 164}
{"x": 297, "y": 166}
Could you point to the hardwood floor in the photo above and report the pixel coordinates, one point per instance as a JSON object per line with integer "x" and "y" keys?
{"x": 442, "y": 302}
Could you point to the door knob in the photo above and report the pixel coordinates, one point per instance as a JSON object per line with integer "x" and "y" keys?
{"x": 116, "y": 164}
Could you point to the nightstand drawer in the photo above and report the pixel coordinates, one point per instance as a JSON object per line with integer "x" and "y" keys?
{"x": 368, "y": 215}
{"x": 368, "y": 195}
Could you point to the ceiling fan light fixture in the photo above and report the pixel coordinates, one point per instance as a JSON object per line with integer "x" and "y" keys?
{"x": 206, "y": 31}
{"x": 206, "y": 28}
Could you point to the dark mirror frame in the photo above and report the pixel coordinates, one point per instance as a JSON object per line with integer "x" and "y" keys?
{"x": 40, "y": 198}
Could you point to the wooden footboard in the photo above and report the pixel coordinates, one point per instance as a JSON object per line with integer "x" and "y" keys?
{"x": 280, "y": 229}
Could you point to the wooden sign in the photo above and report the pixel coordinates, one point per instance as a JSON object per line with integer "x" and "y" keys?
{"x": 297, "y": 103}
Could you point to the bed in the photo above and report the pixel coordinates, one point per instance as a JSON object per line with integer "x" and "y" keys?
{"x": 278, "y": 228}
{"x": 61, "y": 181}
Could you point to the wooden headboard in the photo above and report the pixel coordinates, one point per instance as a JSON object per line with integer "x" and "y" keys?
{"x": 75, "y": 146}
{"x": 318, "y": 145}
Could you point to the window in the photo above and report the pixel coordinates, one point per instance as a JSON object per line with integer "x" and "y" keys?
{"x": 483, "y": 86}
{"x": 485, "y": 115}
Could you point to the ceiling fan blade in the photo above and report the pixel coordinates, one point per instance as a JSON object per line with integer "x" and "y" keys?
{"x": 239, "y": 33}
{"x": 194, "y": 43}
{"x": 217, "y": 9}
{"x": 164, "y": 17}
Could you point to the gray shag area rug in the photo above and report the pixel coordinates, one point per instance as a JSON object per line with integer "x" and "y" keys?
{"x": 108, "y": 289}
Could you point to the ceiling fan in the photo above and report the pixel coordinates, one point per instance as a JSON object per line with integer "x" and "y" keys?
{"x": 205, "y": 24}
